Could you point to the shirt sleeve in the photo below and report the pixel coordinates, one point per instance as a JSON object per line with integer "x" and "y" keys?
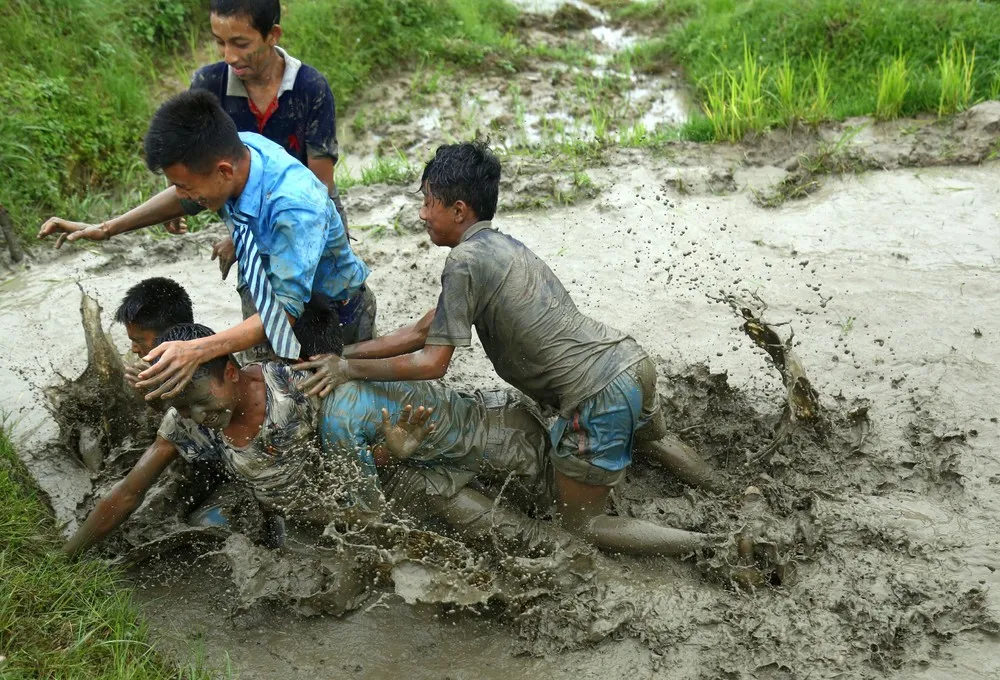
{"x": 191, "y": 441}
{"x": 321, "y": 126}
{"x": 452, "y": 323}
{"x": 299, "y": 235}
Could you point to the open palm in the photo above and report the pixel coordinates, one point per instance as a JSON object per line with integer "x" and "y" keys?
{"x": 410, "y": 430}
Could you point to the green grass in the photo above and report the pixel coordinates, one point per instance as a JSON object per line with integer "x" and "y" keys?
{"x": 957, "y": 68}
{"x": 81, "y": 78}
{"x": 893, "y": 84}
{"x": 836, "y": 53}
{"x": 63, "y": 619}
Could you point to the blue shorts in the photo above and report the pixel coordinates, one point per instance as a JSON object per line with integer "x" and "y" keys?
{"x": 594, "y": 446}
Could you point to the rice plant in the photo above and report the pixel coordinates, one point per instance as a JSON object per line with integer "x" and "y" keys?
{"x": 786, "y": 97}
{"x": 956, "y": 67}
{"x": 734, "y": 99}
{"x": 893, "y": 84}
{"x": 819, "y": 110}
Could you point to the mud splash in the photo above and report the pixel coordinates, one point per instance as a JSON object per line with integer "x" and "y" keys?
{"x": 885, "y": 514}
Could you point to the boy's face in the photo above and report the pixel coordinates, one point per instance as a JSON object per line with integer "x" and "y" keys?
{"x": 242, "y": 46}
{"x": 445, "y": 224}
{"x": 208, "y": 401}
{"x": 210, "y": 191}
{"x": 142, "y": 339}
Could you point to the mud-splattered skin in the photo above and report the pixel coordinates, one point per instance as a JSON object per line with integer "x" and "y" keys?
{"x": 250, "y": 54}
{"x": 208, "y": 401}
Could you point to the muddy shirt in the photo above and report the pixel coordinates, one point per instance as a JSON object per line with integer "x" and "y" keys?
{"x": 351, "y": 424}
{"x": 276, "y": 462}
{"x": 535, "y": 336}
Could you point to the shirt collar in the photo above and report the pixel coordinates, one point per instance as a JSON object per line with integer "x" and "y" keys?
{"x": 236, "y": 88}
{"x": 475, "y": 229}
{"x": 250, "y": 199}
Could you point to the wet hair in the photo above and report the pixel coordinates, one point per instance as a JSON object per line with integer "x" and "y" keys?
{"x": 155, "y": 304}
{"x": 318, "y": 329}
{"x": 263, "y": 14}
{"x": 191, "y": 129}
{"x": 183, "y": 332}
{"x": 467, "y": 172}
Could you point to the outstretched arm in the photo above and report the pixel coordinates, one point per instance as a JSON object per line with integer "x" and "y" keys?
{"x": 124, "y": 498}
{"x": 401, "y": 341}
{"x": 429, "y": 363}
{"x": 162, "y": 207}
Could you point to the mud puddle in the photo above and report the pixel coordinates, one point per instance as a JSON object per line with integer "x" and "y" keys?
{"x": 888, "y": 280}
{"x": 576, "y": 85}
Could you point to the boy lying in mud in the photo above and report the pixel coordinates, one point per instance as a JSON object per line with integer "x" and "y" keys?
{"x": 599, "y": 381}
{"x": 260, "y": 425}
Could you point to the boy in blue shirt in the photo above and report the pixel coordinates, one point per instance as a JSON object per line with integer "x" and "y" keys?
{"x": 294, "y": 254}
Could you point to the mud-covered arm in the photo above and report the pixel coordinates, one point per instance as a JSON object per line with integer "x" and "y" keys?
{"x": 124, "y": 498}
{"x": 177, "y": 361}
{"x": 401, "y": 341}
{"x": 429, "y": 363}
{"x": 162, "y": 207}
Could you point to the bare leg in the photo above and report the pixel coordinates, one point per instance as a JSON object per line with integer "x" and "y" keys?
{"x": 476, "y": 516}
{"x": 639, "y": 537}
{"x": 582, "y": 512}
{"x": 682, "y": 461}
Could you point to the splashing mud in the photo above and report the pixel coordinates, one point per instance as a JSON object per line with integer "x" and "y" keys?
{"x": 875, "y": 517}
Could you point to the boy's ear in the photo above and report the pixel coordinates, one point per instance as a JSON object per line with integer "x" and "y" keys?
{"x": 274, "y": 36}
{"x": 226, "y": 169}
{"x": 461, "y": 210}
{"x": 232, "y": 373}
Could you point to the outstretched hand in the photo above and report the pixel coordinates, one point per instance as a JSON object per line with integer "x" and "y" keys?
{"x": 176, "y": 363}
{"x": 330, "y": 371}
{"x": 71, "y": 231}
{"x": 403, "y": 438}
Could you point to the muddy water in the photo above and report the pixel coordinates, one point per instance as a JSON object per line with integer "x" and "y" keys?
{"x": 572, "y": 86}
{"x": 889, "y": 280}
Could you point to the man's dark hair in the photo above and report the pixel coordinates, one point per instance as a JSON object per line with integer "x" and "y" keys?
{"x": 318, "y": 329}
{"x": 195, "y": 331}
{"x": 467, "y": 172}
{"x": 155, "y": 304}
{"x": 263, "y": 14}
{"x": 191, "y": 129}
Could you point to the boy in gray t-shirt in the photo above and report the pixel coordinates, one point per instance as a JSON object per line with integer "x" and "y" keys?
{"x": 599, "y": 381}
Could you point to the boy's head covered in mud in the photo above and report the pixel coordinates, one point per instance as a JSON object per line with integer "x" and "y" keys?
{"x": 215, "y": 389}
{"x": 460, "y": 186}
{"x": 150, "y": 308}
{"x": 194, "y": 142}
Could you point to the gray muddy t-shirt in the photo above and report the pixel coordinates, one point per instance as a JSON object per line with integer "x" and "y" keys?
{"x": 535, "y": 336}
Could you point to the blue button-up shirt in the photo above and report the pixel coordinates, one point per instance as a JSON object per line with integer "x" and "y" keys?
{"x": 298, "y": 232}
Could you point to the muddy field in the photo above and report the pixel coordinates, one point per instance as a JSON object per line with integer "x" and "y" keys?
{"x": 882, "y": 518}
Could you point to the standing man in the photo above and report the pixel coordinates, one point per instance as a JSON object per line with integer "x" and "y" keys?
{"x": 290, "y": 242}
{"x": 267, "y": 91}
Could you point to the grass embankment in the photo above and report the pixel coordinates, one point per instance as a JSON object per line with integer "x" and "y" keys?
{"x": 60, "y": 619}
{"x": 765, "y": 63}
{"x": 82, "y": 77}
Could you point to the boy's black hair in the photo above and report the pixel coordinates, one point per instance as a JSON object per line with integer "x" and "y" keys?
{"x": 318, "y": 329}
{"x": 191, "y": 129}
{"x": 467, "y": 172}
{"x": 155, "y": 304}
{"x": 195, "y": 331}
{"x": 263, "y": 14}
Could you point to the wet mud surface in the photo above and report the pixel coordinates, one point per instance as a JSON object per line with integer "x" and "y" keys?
{"x": 881, "y": 516}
